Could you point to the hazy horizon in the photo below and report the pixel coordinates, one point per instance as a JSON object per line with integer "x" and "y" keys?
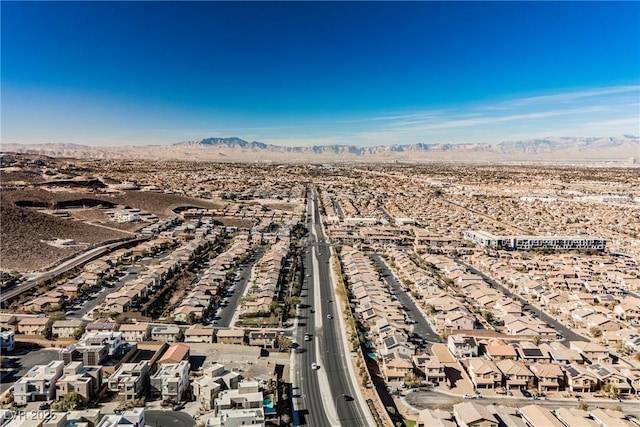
{"x": 301, "y": 74}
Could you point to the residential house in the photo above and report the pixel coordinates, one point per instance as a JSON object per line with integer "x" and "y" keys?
{"x": 165, "y": 333}
{"x": 39, "y": 383}
{"x": 484, "y": 373}
{"x": 549, "y": 377}
{"x": 246, "y": 396}
{"x": 84, "y": 380}
{"x": 538, "y": 416}
{"x": 471, "y": 414}
{"x": 130, "y": 380}
{"x": 610, "y": 377}
{"x": 592, "y": 352}
{"x": 435, "y": 418}
{"x": 579, "y": 380}
{"x": 102, "y": 325}
{"x": 135, "y": 332}
{"x": 67, "y": 328}
{"x": 462, "y": 346}
{"x": 113, "y": 341}
{"x": 396, "y": 344}
{"x": 171, "y": 381}
{"x": 215, "y": 379}
{"x": 610, "y": 418}
{"x": 43, "y": 303}
{"x": 559, "y": 353}
{"x": 265, "y": 339}
{"x": 7, "y": 320}
{"x": 230, "y": 336}
{"x": 458, "y": 320}
{"x": 7, "y": 341}
{"x": 575, "y": 417}
{"x": 33, "y": 325}
{"x": 529, "y": 352}
{"x": 603, "y": 323}
{"x": 129, "y": 418}
{"x": 176, "y": 353}
{"x": 430, "y": 368}
{"x": 396, "y": 366}
{"x": 516, "y": 375}
{"x": 199, "y": 333}
{"x": 498, "y": 350}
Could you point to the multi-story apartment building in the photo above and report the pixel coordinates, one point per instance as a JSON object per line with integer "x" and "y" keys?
{"x": 521, "y": 243}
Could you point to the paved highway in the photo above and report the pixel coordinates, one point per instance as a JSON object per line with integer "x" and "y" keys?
{"x": 66, "y": 266}
{"x": 328, "y": 395}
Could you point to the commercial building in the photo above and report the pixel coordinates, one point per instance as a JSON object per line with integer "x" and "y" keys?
{"x": 523, "y": 243}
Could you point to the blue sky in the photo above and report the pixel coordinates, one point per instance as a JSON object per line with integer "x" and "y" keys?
{"x": 363, "y": 73}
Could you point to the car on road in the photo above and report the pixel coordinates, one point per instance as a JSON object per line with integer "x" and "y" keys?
{"x": 329, "y": 316}
{"x": 315, "y": 366}
{"x": 307, "y": 337}
{"x": 69, "y": 313}
{"x": 469, "y": 396}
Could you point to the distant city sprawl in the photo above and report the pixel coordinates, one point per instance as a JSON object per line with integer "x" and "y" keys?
{"x": 221, "y": 294}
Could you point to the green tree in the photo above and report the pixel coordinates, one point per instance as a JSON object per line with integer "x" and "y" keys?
{"x": 78, "y": 332}
{"x": 487, "y": 315}
{"x": 284, "y": 343}
{"x": 292, "y": 301}
{"x": 595, "y": 332}
{"x": 412, "y": 380}
{"x": 70, "y": 401}
{"x": 58, "y": 315}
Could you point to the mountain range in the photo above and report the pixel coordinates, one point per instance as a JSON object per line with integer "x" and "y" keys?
{"x": 552, "y": 149}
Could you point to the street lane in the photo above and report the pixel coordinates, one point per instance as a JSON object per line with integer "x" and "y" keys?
{"x": 309, "y": 408}
{"x": 66, "y": 266}
{"x": 341, "y": 380}
{"x": 567, "y": 333}
{"x": 421, "y": 328}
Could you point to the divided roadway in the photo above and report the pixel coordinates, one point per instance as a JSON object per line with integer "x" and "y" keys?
{"x": 325, "y": 396}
